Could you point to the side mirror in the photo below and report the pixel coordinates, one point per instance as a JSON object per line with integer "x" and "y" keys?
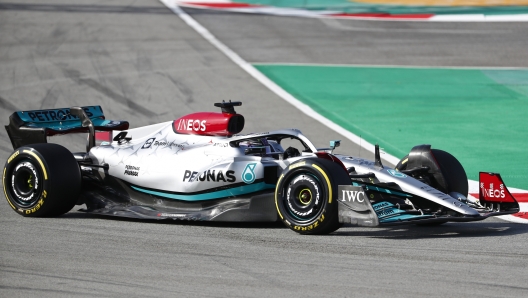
{"x": 334, "y": 144}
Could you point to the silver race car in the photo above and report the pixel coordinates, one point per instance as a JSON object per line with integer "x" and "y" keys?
{"x": 199, "y": 167}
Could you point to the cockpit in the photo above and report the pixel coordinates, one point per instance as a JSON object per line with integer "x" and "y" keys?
{"x": 273, "y": 145}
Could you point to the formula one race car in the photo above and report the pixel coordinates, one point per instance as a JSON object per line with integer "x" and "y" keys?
{"x": 199, "y": 167}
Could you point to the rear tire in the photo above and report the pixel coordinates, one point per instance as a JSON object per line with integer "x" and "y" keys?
{"x": 306, "y": 196}
{"x": 41, "y": 180}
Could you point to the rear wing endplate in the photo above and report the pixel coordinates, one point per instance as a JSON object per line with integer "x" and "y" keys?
{"x": 30, "y": 127}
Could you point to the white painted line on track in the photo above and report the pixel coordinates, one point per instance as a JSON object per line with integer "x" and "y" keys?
{"x": 479, "y": 18}
{"x": 173, "y": 5}
{"x": 467, "y": 18}
{"x": 513, "y": 219}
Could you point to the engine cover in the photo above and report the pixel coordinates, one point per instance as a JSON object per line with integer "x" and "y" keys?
{"x": 209, "y": 124}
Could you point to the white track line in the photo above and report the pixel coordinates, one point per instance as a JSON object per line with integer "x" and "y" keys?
{"x": 173, "y": 5}
{"x": 479, "y": 18}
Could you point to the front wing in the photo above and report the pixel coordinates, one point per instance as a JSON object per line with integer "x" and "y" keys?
{"x": 355, "y": 208}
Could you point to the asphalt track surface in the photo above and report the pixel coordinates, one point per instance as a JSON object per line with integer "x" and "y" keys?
{"x": 272, "y": 39}
{"x": 142, "y": 63}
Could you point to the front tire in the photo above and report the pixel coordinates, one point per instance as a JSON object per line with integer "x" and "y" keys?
{"x": 452, "y": 171}
{"x": 306, "y": 196}
{"x": 41, "y": 180}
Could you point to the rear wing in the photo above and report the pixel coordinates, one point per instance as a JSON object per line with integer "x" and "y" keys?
{"x": 30, "y": 127}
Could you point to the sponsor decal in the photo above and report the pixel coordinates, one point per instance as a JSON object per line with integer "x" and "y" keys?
{"x": 296, "y": 165}
{"x": 148, "y": 143}
{"x": 29, "y": 166}
{"x": 397, "y": 174}
{"x": 289, "y": 195}
{"x": 39, "y": 204}
{"x": 171, "y": 215}
{"x": 221, "y": 145}
{"x": 40, "y": 162}
{"x": 312, "y": 226}
{"x": 167, "y": 144}
{"x": 365, "y": 162}
{"x": 252, "y": 134}
{"x": 152, "y": 142}
{"x": 209, "y": 175}
{"x": 131, "y": 170}
{"x": 37, "y": 207}
{"x": 436, "y": 192}
{"x": 55, "y": 115}
{"x": 192, "y": 125}
{"x": 112, "y": 123}
{"x": 381, "y": 205}
{"x": 386, "y": 209}
{"x": 491, "y": 192}
{"x": 13, "y": 156}
{"x": 248, "y": 175}
{"x": 458, "y": 204}
{"x": 492, "y": 189}
{"x": 389, "y": 212}
{"x": 385, "y": 212}
{"x": 131, "y": 173}
{"x": 353, "y": 196}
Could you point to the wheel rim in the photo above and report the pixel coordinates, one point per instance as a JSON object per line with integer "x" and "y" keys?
{"x": 304, "y": 197}
{"x": 25, "y": 184}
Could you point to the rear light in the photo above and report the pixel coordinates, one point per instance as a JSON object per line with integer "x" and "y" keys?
{"x": 103, "y": 136}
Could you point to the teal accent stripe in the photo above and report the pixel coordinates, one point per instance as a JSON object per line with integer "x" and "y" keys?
{"x": 392, "y": 192}
{"x": 403, "y": 218}
{"x": 66, "y": 125}
{"x": 236, "y": 191}
{"x": 379, "y": 189}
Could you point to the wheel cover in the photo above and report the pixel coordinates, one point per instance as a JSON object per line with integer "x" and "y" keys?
{"x": 25, "y": 188}
{"x": 304, "y": 197}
